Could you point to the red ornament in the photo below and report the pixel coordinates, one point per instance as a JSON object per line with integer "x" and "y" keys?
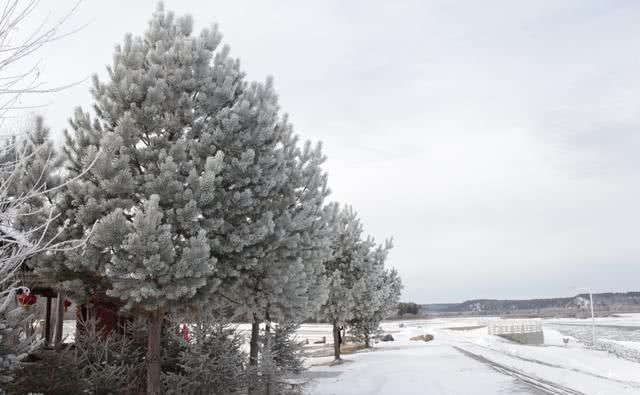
{"x": 185, "y": 333}
{"x": 67, "y": 304}
{"x": 27, "y": 300}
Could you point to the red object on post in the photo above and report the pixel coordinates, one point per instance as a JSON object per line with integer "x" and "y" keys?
{"x": 67, "y": 304}
{"x": 27, "y": 300}
{"x": 185, "y": 333}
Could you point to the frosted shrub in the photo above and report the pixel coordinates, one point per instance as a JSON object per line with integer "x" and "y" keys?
{"x": 280, "y": 361}
{"x": 98, "y": 364}
{"x": 287, "y": 351}
{"x": 109, "y": 363}
{"x": 212, "y": 363}
{"x": 15, "y": 343}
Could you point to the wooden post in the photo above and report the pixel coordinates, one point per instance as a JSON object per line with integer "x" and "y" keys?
{"x": 57, "y": 339}
{"x": 47, "y": 323}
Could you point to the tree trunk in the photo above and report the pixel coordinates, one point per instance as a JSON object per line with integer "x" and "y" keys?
{"x": 253, "y": 353}
{"x": 253, "y": 343}
{"x": 154, "y": 328}
{"x": 336, "y": 341}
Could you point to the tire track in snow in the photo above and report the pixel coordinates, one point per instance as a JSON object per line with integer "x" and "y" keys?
{"x": 551, "y": 365}
{"x": 545, "y": 386}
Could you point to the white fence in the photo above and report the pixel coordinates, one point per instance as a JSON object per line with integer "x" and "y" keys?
{"x": 509, "y": 327}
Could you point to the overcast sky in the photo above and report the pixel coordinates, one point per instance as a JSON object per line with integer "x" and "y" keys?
{"x": 498, "y": 142}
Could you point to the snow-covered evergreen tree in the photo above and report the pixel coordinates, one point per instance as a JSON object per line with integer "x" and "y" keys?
{"x": 346, "y": 266}
{"x": 41, "y": 171}
{"x": 99, "y": 363}
{"x": 28, "y": 178}
{"x": 288, "y": 284}
{"x": 191, "y": 167}
{"x": 292, "y": 285}
{"x": 281, "y": 360}
{"x": 153, "y": 188}
{"x": 24, "y": 230}
{"x": 376, "y": 295}
{"x": 212, "y": 363}
{"x": 362, "y": 292}
{"x": 394, "y": 291}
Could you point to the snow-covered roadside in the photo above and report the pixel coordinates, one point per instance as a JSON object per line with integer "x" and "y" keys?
{"x": 631, "y": 345}
{"x": 471, "y": 361}
{"x": 411, "y": 367}
{"x": 581, "y": 369}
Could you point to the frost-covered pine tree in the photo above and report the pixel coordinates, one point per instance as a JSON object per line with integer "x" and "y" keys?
{"x": 287, "y": 283}
{"x": 188, "y": 161}
{"x": 24, "y": 230}
{"x": 281, "y": 358}
{"x": 211, "y": 363}
{"x": 170, "y": 97}
{"x": 40, "y": 164}
{"x": 40, "y": 172}
{"x": 347, "y": 265}
{"x": 28, "y": 180}
{"x": 394, "y": 291}
{"x": 375, "y": 294}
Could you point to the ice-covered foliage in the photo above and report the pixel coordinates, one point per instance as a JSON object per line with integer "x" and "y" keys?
{"x": 38, "y": 170}
{"x": 198, "y": 182}
{"x": 345, "y": 267}
{"x": 99, "y": 364}
{"x": 211, "y": 363}
{"x": 109, "y": 363}
{"x": 287, "y": 348}
{"x": 15, "y": 341}
{"x": 280, "y": 363}
{"x": 287, "y": 281}
{"x": 362, "y": 292}
{"x": 187, "y": 153}
{"x": 377, "y": 295}
{"x": 28, "y": 183}
{"x": 27, "y": 174}
{"x": 153, "y": 185}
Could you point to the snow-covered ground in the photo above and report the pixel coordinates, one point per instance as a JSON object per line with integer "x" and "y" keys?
{"x": 469, "y": 361}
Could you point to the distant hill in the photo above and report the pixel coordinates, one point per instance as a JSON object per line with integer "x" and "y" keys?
{"x": 578, "y": 305}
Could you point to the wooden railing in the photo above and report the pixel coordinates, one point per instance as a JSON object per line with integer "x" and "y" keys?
{"x": 507, "y": 327}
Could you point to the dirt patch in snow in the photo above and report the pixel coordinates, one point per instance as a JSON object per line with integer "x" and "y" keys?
{"x": 425, "y": 338}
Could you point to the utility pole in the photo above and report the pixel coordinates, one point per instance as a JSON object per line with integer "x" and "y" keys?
{"x": 593, "y": 320}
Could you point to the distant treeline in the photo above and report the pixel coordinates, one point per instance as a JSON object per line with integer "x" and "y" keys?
{"x": 408, "y": 308}
{"x": 602, "y": 301}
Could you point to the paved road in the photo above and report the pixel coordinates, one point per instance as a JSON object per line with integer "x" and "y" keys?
{"x": 416, "y": 368}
